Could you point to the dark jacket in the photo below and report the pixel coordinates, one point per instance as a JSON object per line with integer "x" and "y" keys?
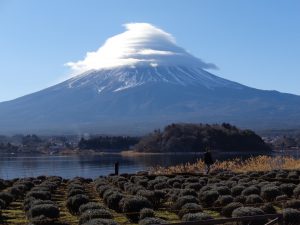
{"x": 208, "y": 158}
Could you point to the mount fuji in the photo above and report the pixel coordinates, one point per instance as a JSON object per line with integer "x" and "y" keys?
{"x": 140, "y": 80}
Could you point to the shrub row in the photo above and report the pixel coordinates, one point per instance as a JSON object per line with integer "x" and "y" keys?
{"x": 38, "y": 206}
{"x": 16, "y": 191}
{"x": 190, "y": 194}
{"x": 136, "y": 199}
{"x": 76, "y": 195}
{"x": 79, "y": 203}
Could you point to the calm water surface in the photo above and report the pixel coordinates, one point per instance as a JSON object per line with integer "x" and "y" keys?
{"x": 12, "y": 166}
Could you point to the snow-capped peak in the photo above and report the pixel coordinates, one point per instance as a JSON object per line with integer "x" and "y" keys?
{"x": 124, "y": 77}
{"x": 140, "y": 44}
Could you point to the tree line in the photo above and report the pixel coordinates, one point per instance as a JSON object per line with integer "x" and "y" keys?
{"x": 198, "y": 137}
{"x": 108, "y": 142}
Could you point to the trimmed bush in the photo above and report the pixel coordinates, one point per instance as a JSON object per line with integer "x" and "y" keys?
{"x": 27, "y": 185}
{"x": 43, "y": 195}
{"x": 2, "y": 204}
{"x": 183, "y": 200}
{"x": 94, "y": 214}
{"x": 244, "y": 180}
{"x": 160, "y": 195}
{"x": 176, "y": 185}
{"x": 271, "y": 174}
{"x": 73, "y": 186}
{"x": 75, "y": 192}
{"x": 196, "y": 217}
{"x": 194, "y": 186}
{"x": 291, "y": 216}
{"x": 17, "y": 191}
{"x": 186, "y": 192}
{"x": 206, "y": 188}
{"x": 254, "y": 199}
{"x": 161, "y": 185}
{"x": 192, "y": 179}
{"x": 176, "y": 179}
{"x": 113, "y": 200}
{"x": 294, "y": 204}
{"x": 132, "y": 188}
{"x": 270, "y": 192}
{"x": 287, "y": 189}
{"x": 172, "y": 195}
{"x": 208, "y": 198}
{"x": 101, "y": 222}
{"x": 251, "y": 190}
{"x": 155, "y": 197}
{"x": 249, "y": 211}
{"x": 282, "y": 198}
{"x": 108, "y": 192}
{"x": 223, "y": 190}
{"x": 281, "y": 175}
{"x": 90, "y": 205}
{"x": 2, "y": 184}
{"x": 74, "y": 202}
{"x": 293, "y": 175}
{"x": 146, "y": 212}
{"x": 228, "y": 209}
{"x": 28, "y": 203}
{"x": 151, "y": 221}
{"x": 40, "y": 188}
{"x": 268, "y": 208}
{"x": 297, "y": 191}
{"x": 237, "y": 190}
{"x": 189, "y": 208}
{"x": 133, "y": 205}
{"x": 230, "y": 184}
{"x": 241, "y": 199}
{"x": 102, "y": 188}
{"x": 6, "y": 197}
{"x": 224, "y": 200}
{"x": 47, "y": 210}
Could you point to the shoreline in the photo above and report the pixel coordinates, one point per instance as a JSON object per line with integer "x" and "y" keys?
{"x": 132, "y": 153}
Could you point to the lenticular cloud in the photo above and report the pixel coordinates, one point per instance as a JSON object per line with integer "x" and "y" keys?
{"x": 141, "y": 43}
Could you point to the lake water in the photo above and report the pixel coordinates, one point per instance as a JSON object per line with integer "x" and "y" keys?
{"x": 12, "y": 166}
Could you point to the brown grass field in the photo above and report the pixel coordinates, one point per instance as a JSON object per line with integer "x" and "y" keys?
{"x": 259, "y": 163}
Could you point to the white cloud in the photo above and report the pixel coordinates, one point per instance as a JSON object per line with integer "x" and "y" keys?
{"x": 141, "y": 43}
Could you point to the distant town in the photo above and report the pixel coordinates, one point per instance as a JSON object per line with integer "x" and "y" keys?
{"x": 69, "y": 144}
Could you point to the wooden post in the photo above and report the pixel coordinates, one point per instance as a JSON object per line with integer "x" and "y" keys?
{"x": 117, "y": 168}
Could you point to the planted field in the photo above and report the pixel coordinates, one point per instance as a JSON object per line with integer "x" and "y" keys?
{"x": 150, "y": 199}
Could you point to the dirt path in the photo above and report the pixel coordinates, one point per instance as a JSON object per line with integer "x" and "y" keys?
{"x": 60, "y": 197}
{"x": 94, "y": 196}
{"x": 14, "y": 214}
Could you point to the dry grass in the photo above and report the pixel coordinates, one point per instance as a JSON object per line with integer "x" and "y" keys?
{"x": 259, "y": 163}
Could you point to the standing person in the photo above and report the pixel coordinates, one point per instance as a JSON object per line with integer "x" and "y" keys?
{"x": 117, "y": 168}
{"x": 208, "y": 161}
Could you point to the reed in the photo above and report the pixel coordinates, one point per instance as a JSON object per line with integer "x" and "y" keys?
{"x": 258, "y": 163}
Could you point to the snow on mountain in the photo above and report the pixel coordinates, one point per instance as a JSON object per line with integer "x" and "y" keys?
{"x": 124, "y": 77}
{"x": 140, "y": 80}
{"x": 142, "y": 54}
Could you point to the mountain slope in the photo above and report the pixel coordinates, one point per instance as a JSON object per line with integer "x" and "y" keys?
{"x": 140, "y": 80}
{"x": 112, "y": 101}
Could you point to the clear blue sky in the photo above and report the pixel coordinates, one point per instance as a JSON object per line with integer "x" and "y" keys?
{"x": 255, "y": 42}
